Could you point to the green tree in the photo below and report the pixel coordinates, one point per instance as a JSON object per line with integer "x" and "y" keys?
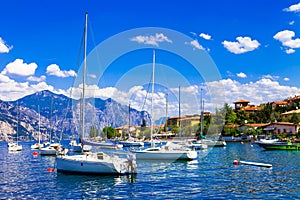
{"x": 174, "y": 129}
{"x": 295, "y": 118}
{"x": 109, "y": 131}
{"x": 242, "y": 117}
{"x": 230, "y": 117}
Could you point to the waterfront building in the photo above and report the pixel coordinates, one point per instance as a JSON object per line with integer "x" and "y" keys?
{"x": 282, "y": 128}
{"x": 244, "y": 105}
{"x": 186, "y": 120}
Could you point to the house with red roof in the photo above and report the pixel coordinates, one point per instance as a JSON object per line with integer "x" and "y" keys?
{"x": 244, "y": 105}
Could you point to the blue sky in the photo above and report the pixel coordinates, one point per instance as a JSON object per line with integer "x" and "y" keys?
{"x": 253, "y": 44}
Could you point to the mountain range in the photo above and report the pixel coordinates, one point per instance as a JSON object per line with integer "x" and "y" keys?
{"x": 51, "y": 115}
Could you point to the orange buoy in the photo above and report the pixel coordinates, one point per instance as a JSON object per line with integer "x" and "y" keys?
{"x": 50, "y": 169}
{"x": 235, "y": 162}
{"x": 35, "y": 154}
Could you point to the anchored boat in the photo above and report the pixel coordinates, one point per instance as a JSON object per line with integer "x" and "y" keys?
{"x": 280, "y": 146}
{"x": 94, "y": 162}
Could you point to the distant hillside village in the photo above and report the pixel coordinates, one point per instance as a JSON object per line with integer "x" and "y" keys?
{"x": 279, "y": 118}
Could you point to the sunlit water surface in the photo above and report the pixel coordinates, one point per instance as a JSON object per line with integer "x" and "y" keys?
{"x": 212, "y": 176}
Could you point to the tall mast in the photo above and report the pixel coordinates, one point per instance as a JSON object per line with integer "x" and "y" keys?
{"x": 152, "y": 92}
{"x": 39, "y": 124}
{"x": 166, "y": 112}
{"x": 179, "y": 112}
{"x": 84, "y": 75}
{"x": 202, "y": 117}
{"x": 17, "y": 122}
{"x": 50, "y": 120}
{"x": 129, "y": 135}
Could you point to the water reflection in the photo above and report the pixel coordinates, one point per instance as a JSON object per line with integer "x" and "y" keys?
{"x": 192, "y": 165}
{"x": 211, "y": 176}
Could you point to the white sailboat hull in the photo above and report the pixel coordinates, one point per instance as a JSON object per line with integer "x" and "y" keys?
{"x": 92, "y": 163}
{"x": 102, "y": 144}
{"x": 48, "y": 151}
{"x": 152, "y": 154}
{"x": 36, "y": 146}
{"x": 15, "y": 147}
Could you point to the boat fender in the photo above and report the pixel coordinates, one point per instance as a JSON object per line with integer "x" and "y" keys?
{"x": 235, "y": 162}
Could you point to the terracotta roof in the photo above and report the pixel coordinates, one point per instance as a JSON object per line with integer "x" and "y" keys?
{"x": 255, "y": 125}
{"x": 251, "y": 108}
{"x": 284, "y": 123}
{"x": 241, "y": 101}
{"x": 280, "y": 102}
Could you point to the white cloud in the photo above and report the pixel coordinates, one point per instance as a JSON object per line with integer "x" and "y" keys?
{"x": 285, "y": 37}
{"x": 271, "y": 77}
{"x": 136, "y": 97}
{"x": 292, "y": 22}
{"x": 286, "y": 79}
{"x": 11, "y": 90}
{"x": 241, "y": 75}
{"x": 4, "y": 48}
{"x": 36, "y": 79}
{"x": 261, "y": 91}
{"x": 205, "y": 36}
{"x": 196, "y": 44}
{"x": 293, "y": 8}
{"x": 4, "y": 79}
{"x": 54, "y": 70}
{"x": 18, "y": 67}
{"x": 42, "y": 86}
{"x": 290, "y": 51}
{"x": 152, "y": 39}
{"x": 243, "y": 45}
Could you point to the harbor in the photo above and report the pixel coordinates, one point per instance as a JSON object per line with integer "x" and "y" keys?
{"x": 162, "y": 100}
{"x": 211, "y": 175}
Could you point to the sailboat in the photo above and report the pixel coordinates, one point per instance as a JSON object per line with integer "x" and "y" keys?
{"x": 169, "y": 151}
{"x": 15, "y": 146}
{"x": 51, "y": 148}
{"x": 38, "y": 145}
{"x": 93, "y": 162}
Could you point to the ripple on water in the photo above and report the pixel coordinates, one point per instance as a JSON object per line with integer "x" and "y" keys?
{"x": 212, "y": 176}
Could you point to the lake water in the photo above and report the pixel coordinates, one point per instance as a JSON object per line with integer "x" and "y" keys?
{"x": 212, "y": 176}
